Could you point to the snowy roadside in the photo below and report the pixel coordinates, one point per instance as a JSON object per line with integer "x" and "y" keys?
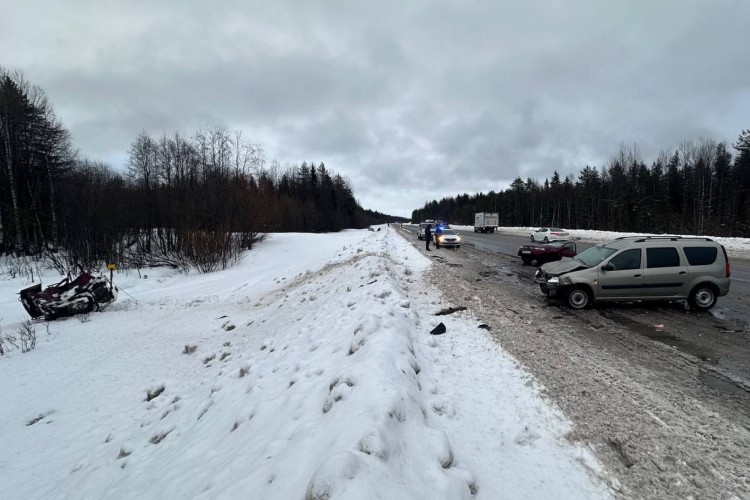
{"x": 306, "y": 371}
{"x": 648, "y": 408}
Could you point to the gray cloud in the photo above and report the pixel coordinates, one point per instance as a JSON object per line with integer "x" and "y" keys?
{"x": 411, "y": 101}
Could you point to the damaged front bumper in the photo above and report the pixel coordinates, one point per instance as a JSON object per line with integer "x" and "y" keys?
{"x": 548, "y": 284}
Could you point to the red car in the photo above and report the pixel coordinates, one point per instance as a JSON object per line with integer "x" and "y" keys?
{"x": 546, "y": 253}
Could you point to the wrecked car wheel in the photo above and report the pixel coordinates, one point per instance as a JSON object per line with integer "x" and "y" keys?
{"x": 578, "y": 297}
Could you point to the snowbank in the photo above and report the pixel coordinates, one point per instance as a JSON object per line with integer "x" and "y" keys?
{"x": 305, "y": 372}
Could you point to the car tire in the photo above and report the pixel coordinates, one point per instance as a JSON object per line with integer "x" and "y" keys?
{"x": 526, "y": 262}
{"x": 579, "y": 297}
{"x": 532, "y": 238}
{"x": 703, "y": 297}
{"x": 545, "y": 240}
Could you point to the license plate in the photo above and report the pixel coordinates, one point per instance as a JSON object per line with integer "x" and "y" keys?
{"x": 525, "y": 251}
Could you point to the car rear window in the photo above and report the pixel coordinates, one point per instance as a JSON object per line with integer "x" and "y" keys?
{"x": 701, "y": 256}
{"x": 662, "y": 257}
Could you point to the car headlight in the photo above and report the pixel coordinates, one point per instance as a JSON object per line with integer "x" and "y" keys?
{"x": 554, "y": 281}
{"x": 458, "y": 238}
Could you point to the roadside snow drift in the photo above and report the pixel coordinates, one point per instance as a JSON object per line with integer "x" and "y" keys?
{"x": 305, "y": 372}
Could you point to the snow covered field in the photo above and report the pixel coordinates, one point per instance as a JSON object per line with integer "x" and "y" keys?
{"x": 307, "y": 371}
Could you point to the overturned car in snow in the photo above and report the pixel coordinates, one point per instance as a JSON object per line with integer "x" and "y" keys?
{"x": 639, "y": 268}
{"x": 84, "y": 294}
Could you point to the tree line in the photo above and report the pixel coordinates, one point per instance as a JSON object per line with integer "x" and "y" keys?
{"x": 188, "y": 201}
{"x": 699, "y": 188}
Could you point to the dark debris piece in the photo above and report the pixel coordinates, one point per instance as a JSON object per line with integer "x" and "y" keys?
{"x": 438, "y": 330}
{"x": 450, "y": 310}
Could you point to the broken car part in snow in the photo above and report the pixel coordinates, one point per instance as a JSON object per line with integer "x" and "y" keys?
{"x": 438, "y": 330}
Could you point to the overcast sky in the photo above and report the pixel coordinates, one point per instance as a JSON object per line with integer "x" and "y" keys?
{"x": 410, "y": 100}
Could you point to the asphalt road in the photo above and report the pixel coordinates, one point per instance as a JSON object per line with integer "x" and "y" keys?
{"x": 719, "y": 339}
{"x": 659, "y": 392}
{"x": 734, "y": 306}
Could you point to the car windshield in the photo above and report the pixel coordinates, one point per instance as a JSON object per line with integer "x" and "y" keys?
{"x": 557, "y": 230}
{"x": 557, "y": 244}
{"x": 448, "y": 231}
{"x": 594, "y": 255}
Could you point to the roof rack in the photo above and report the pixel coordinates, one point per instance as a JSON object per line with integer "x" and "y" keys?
{"x": 641, "y": 239}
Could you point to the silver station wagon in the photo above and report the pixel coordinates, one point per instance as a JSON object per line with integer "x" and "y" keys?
{"x": 640, "y": 268}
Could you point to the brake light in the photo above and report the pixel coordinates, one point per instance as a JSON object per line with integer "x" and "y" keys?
{"x": 727, "y": 269}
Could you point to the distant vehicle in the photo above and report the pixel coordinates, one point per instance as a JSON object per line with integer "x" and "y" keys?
{"x": 422, "y": 225}
{"x": 547, "y": 234}
{"x": 437, "y": 226}
{"x": 447, "y": 238}
{"x": 641, "y": 268}
{"x": 546, "y": 253}
{"x": 486, "y": 222}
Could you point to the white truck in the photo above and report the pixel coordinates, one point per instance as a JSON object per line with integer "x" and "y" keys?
{"x": 486, "y": 222}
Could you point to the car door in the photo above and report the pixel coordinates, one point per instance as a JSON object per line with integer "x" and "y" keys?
{"x": 569, "y": 249}
{"x": 665, "y": 273}
{"x": 623, "y": 276}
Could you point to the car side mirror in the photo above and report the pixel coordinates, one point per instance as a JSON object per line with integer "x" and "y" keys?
{"x": 608, "y": 267}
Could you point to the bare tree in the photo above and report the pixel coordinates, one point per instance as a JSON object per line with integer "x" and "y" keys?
{"x": 142, "y": 161}
{"x": 13, "y": 114}
{"x": 705, "y": 154}
{"x": 35, "y": 150}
